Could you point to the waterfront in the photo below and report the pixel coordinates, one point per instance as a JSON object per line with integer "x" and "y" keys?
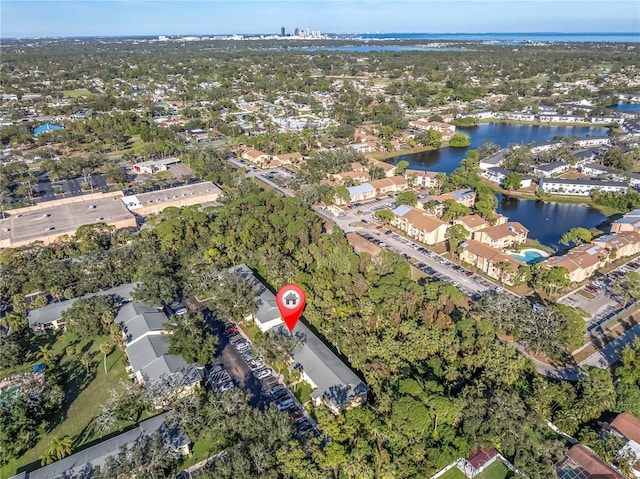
{"x": 626, "y": 107}
{"x": 546, "y": 222}
{"x": 448, "y": 159}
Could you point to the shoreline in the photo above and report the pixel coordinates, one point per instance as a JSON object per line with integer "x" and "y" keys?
{"x": 536, "y": 123}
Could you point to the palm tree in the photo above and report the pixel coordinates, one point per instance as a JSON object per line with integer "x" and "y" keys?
{"x": 86, "y": 361}
{"x": 46, "y": 353}
{"x": 106, "y": 348}
{"x": 12, "y": 321}
{"x": 57, "y": 448}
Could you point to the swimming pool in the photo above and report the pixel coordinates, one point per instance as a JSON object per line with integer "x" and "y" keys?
{"x": 529, "y": 256}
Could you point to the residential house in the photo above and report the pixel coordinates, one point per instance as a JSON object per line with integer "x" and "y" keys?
{"x": 585, "y": 156}
{"x": 352, "y": 176}
{"x": 581, "y": 261}
{"x": 491, "y": 261}
{"x": 479, "y": 115}
{"x": 419, "y": 225}
{"x": 581, "y": 462}
{"x": 546, "y": 146}
{"x": 357, "y": 166}
{"x": 148, "y": 348}
{"x": 629, "y": 222}
{"x": 268, "y": 315}
{"x": 388, "y": 168}
{"x": 385, "y": 186}
{"x": 549, "y": 169}
{"x": 49, "y": 318}
{"x": 626, "y": 243}
{"x": 334, "y": 383}
{"x": 589, "y": 141}
{"x": 255, "y": 156}
{"x": 84, "y": 462}
{"x": 422, "y": 179}
{"x": 497, "y": 159}
{"x": 472, "y": 223}
{"x": 502, "y": 236}
{"x": 362, "y": 147}
{"x": 435, "y": 205}
{"x": 495, "y": 174}
{"x": 359, "y": 193}
{"x": 595, "y": 170}
{"x": 580, "y": 187}
{"x": 517, "y": 116}
{"x": 627, "y": 427}
{"x": 446, "y": 129}
{"x": 555, "y": 118}
{"x": 479, "y": 461}
{"x": 288, "y": 158}
{"x": 605, "y": 120}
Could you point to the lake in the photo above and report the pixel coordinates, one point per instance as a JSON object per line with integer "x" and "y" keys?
{"x": 448, "y": 159}
{"x": 626, "y": 107}
{"x": 546, "y": 222}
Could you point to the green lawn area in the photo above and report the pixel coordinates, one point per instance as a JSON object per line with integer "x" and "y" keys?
{"x": 497, "y": 470}
{"x": 453, "y": 473}
{"x": 77, "y": 93}
{"x": 80, "y": 405}
{"x": 302, "y": 391}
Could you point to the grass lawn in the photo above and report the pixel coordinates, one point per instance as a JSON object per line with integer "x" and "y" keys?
{"x": 302, "y": 391}
{"x": 453, "y": 473}
{"x": 77, "y": 93}
{"x": 497, "y": 470}
{"x": 80, "y": 405}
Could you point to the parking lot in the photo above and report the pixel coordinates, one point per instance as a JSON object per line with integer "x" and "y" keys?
{"x": 238, "y": 365}
{"x": 597, "y": 297}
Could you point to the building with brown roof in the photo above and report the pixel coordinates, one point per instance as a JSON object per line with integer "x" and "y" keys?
{"x": 422, "y": 179}
{"x": 389, "y": 169}
{"x": 581, "y": 462}
{"x": 472, "y": 223}
{"x": 154, "y": 202}
{"x": 353, "y": 176}
{"x": 393, "y": 184}
{"x": 288, "y": 158}
{"x": 256, "y": 157}
{"x": 446, "y": 129}
{"x": 491, "y": 261}
{"x": 625, "y": 243}
{"x": 502, "y": 236}
{"x": 627, "y": 426}
{"x": 419, "y": 225}
{"x": 581, "y": 261}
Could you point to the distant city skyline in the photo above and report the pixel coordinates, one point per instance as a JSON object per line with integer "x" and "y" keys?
{"x": 42, "y": 18}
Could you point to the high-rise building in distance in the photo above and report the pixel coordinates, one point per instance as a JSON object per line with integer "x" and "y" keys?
{"x": 282, "y": 31}
{"x": 296, "y": 32}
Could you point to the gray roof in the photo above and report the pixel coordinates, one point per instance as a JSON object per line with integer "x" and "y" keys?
{"x": 335, "y": 380}
{"x": 402, "y": 210}
{"x": 633, "y": 213}
{"x": 498, "y": 170}
{"x": 146, "y": 350}
{"x": 581, "y": 181}
{"x": 138, "y": 319}
{"x": 53, "y": 312}
{"x": 552, "y": 166}
{"x": 361, "y": 189}
{"x": 268, "y": 310}
{"x": 96, "y": 455}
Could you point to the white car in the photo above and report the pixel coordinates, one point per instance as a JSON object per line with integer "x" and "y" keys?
{"x": 263, "y": 373}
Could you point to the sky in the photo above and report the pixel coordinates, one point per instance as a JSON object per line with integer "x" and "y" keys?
{"x": 28, "y": 18}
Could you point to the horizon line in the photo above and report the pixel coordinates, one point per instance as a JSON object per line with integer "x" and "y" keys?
{"x": 325, "y": 33}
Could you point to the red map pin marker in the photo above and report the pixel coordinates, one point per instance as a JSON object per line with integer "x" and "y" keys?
{"x": 291, "y": 300}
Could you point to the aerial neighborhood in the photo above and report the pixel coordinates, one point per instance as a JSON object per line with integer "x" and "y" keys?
{"x": 462, "y": 216}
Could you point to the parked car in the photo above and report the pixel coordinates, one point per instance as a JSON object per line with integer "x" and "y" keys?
{"x": 469, "y": 273}
{"x": 217, "y": 368}
{"x": 175, "y": 305}
{"x": 243, "y": 344}
{"x": 263, "y": 373}
{"x": 285, "y": 404}
{"x": 280, "y": 393}
{"x": 225, "y": 387}
{"x": 591, "y": 288}
{"x": 277, "y": 387}
{"x": 181, "y": 311}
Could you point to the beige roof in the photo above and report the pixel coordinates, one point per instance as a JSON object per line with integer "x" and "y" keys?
{"x": 386, "y": 182}
{"x": 422, "y": 221}
{"x": 618, "y": 240}
{"x": 290, "y": 156}
{"x": 504, "y": 230}
{"x": 383, "y": 165}
{"x": 427, "y": 174}
{"x": 628, "y": 425}
{"x": 253, "y": 153}
{"x": 353, "y": 174}
{"x": 487, "y": 252}
{"x": 472, "y": 221}
{"x": 583, "y": 256}
{"x": 357, "y": 166}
